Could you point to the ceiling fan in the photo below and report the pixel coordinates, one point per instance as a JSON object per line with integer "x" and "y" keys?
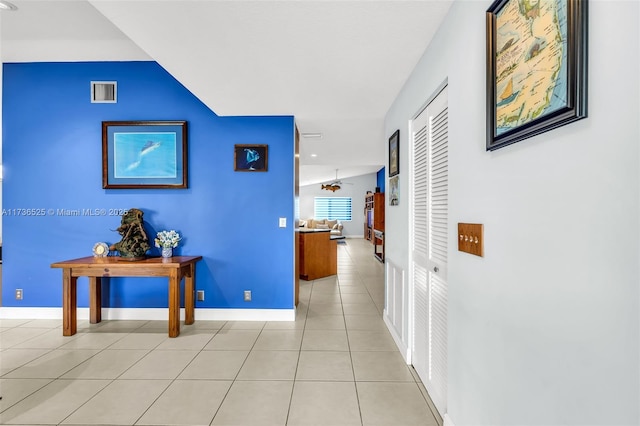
{"x": 334, "y": 185}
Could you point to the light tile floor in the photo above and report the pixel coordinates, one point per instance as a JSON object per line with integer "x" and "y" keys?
{"x": 335, "y": 365}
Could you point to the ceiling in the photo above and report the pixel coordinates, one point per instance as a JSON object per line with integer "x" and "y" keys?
{"x": 334, "y": 65}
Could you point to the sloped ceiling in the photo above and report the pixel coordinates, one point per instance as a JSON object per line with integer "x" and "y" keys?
{"x": 334, "y": 65}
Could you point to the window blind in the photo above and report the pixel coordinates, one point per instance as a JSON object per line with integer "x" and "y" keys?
{"x": 332, "y": 208}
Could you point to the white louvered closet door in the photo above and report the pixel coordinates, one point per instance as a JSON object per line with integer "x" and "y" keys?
{"x": 429, "y": 248}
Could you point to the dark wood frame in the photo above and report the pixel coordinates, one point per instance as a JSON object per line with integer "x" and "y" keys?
{"x": 240, "y": 147}
{"x": 576, "y": 100}
{"x": 109, "y": 182}
{"x": 394, "y": 145}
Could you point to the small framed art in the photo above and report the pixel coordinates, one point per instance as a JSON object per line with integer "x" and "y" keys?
{"x": 250, "y": 158}
{"x": 394, "y": 193}
{"x": 394, "y": 153}
{"x": 144, "y": 154}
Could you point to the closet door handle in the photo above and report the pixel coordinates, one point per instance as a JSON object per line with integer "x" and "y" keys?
{"x": 436, "y": 269}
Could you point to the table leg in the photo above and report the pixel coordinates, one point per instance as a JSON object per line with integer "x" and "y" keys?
{"x": 174, "y": 303}
{"x": 95, "y": 300}
{"x": 189, "y": 294}
{"x": 69, "y": 303}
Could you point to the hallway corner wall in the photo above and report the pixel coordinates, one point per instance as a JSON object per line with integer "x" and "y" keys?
{"x": 545, "y": 328}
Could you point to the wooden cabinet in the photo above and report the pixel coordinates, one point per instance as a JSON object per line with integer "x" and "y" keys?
{"x": 374, "y": 222}
{"x": 317, "y": 254}
{"x": 368, "y": 217}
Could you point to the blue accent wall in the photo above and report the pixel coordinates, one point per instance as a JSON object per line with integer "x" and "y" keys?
{"x": 380, "y": 179}
{"x": 52, "y": 159}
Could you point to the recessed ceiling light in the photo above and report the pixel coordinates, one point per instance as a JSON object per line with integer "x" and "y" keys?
{"x": 5, "y": 5}
{"x": 312, "y": 135}
{"x": 314, "y": 155}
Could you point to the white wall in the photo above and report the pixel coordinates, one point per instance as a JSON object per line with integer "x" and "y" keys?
{"x": 355, "y": 187}
{"x": 545, "y": 328}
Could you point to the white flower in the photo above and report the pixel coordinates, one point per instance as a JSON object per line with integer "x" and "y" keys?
{"x": 166, "y": 239}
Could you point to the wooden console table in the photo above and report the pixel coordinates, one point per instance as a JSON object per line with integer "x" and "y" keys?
{"x": 95, "y": 268}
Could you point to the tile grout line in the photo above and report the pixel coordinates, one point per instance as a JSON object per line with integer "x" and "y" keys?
{"x": 111, "y": 381}
{"x": 353, "y": 370}
{"x": 233, "y": 381}
{"x": 174, "y": 379}
{"x": 295, "y": 373}
{"x": 50, "y": 350}
{"x": 99, "y": 390}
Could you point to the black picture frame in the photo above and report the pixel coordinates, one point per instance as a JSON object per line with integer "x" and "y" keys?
{"x": 144, "y": 154}
{"x": 394, "y": 153}
{"x": 519, "y": 61}
{"x": 250, "y": 158}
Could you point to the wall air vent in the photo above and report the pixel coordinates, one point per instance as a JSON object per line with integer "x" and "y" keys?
{"x": 104, "y": 92}
{"x": 312, "y": 135}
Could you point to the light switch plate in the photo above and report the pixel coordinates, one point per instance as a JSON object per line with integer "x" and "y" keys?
{"x": 283, "y": 222}
{"x": 471, "y": 238}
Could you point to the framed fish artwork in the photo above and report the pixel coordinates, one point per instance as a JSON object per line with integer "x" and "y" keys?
{"x": 536, "y": 68}
{"x": 144, "y": 154}
{"x": 250, "y": 158}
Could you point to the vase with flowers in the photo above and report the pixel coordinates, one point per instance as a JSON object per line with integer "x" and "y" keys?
{"x": 167, "y": 241}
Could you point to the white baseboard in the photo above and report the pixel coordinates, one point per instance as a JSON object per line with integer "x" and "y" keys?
{"x": 404, "y": 350}
{"x": 203, "y": 314}
{"x": 37, "y": 313}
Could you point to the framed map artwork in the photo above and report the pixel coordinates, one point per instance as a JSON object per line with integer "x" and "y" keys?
{"x": 536, "y": 67}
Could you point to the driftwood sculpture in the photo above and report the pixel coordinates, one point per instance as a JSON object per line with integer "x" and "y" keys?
{"x": 134, "y": 243}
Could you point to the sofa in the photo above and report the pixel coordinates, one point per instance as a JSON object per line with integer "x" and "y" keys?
{"x": 334, "y": 225}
